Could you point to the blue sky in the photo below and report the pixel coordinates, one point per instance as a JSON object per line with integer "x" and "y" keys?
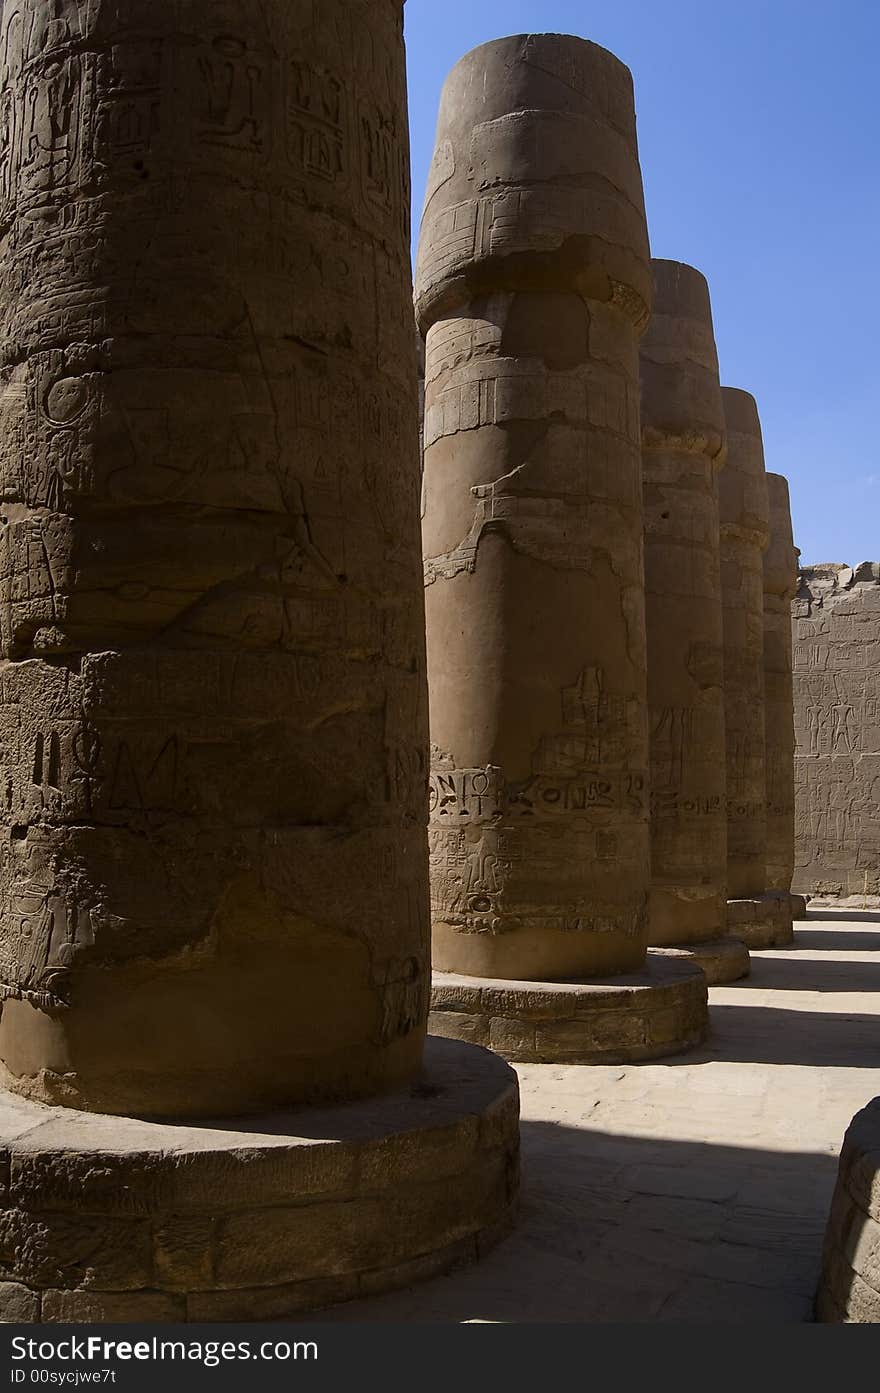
{"x": 759, "y": 134}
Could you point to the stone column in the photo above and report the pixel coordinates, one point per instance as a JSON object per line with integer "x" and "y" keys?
{"x": 849, "y": 1287}
{"x": 532, "y": 288}
{"x": 420, "y": 357}
{"x": 683, "y": 447}
{"x": 753, "y": 915}
{"x": 780, "y": 587}
{"x": 213, "y": 864}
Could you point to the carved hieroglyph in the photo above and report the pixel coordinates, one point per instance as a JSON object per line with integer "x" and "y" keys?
{"x": 744, "y": 511}
{"x": 780, "y": 584}
{"x": 836, "y": 621}
{"x": 212, "y": 700}
{"x": 532, "y": 288}
{"x": 682, "y": 452}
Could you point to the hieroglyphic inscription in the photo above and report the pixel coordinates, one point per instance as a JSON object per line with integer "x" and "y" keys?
{"x": 836, "y": 637}
{"x": 213, "y": 727}
{"x": 487, "y": 830}
{"x": 532, "y": 516}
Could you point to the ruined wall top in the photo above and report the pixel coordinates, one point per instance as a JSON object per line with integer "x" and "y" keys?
{"x": 744, "y": 500}
{"x": 831, "y": 580}
{"x": 681, "y": 395}
{"x": 535, "y": 183}
{"x": 781, "y": 556}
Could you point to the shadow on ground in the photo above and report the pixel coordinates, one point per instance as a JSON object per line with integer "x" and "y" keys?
{"x": 615, "y": 1228}
{"x": 837, "y": 940}
{"x": 773, "y": 1035}
{"x": 801, "y": 974}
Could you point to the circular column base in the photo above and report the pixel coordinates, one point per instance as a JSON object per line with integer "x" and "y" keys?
{"x": 798, "y": 906}
{"x": 762, "y": 922}
{"x": 721, "y": 959}
{"x": 849, "y": 1290}
{"x": 111, "y": 1219}
{"x": 659, "y": 1011}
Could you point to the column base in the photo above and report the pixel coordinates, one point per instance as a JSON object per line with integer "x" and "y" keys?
{"x": 798, "y": 906}
{"x": 111, "y": 1219}
{"x": 849, "y": 1289}
{"x": 659, "y": 1011}
{"x": 762, "y": 922}
{"x": 721, "y": 959}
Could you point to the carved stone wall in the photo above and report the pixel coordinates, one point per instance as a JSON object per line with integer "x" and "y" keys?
{"x": 744, "y": 512}
{"x": 212, "y": 691}
{"x": 683, "y": 444}
{"x": 836, "y": 626}
{"x": 780, "y": 584}
{"x": 533, "y": 286}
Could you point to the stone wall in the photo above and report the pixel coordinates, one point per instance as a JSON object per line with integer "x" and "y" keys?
{"x": 836, "y": 624}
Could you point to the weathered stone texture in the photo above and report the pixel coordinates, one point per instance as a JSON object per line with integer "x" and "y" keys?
{"x": 212, "y": 680}
{"x": 722, "y": 960}
{"x": 657, "y": 1011}
{"x": 836, "y": 627}
{"x": 112, "y": 1219}
{"x": 744, "y": 516}
{"x": 533, "y": 285}
{"x": 761, "y": 921}
{"x": 850, "y": 1287}
{"x": 780, "y": 584}
{"x": 683, "y": 445}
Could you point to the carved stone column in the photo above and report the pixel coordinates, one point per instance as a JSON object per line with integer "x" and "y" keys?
{"x": 780, "y": 587}
{"x": 849, "y": 1287}
{"x": 532, "y": 288}
{"x": 755, "y": 916}
{"x": 213, "y": 862}
{"x": 683, "y": 446}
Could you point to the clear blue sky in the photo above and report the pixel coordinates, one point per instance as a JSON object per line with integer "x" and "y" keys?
{"x": 759, "y": 133}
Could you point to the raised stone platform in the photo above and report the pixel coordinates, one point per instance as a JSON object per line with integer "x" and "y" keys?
{"x": 110, "y": 1219}
{"x": 763, "y": 922}
{"x": 659, "y": 1011}
{"x": 721, "y": 959}
{"x": 798, "y": 906}
{"x": 849, "y": 1291}
{"x": 867, "y": 903}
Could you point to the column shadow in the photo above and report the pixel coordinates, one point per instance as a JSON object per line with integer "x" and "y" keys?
{"x": 774, "y": 1035}
{"x": 838, "y": 940}
{"x": 793, "y": 973}
{"x": 616, "y": 1228}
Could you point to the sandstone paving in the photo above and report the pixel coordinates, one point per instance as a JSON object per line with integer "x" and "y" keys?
{"x": 696, "y": 1189}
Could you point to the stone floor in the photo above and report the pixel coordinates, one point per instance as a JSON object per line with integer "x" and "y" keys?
{"x": 695, "y": 1189}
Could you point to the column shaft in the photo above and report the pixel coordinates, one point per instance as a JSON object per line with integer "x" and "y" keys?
{"x": 533, "y": 287}
{"x": 214, "y": 889}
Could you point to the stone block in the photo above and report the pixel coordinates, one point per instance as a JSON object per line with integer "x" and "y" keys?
{"x": 459, "y": 1025}
{"x": 511, "y": 1038}
{"x": 112, "y": 1308}
{"x": 183, "y": 1249}
{"x": 83, "y": 1250}
{"x": 18, "y": 1305}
